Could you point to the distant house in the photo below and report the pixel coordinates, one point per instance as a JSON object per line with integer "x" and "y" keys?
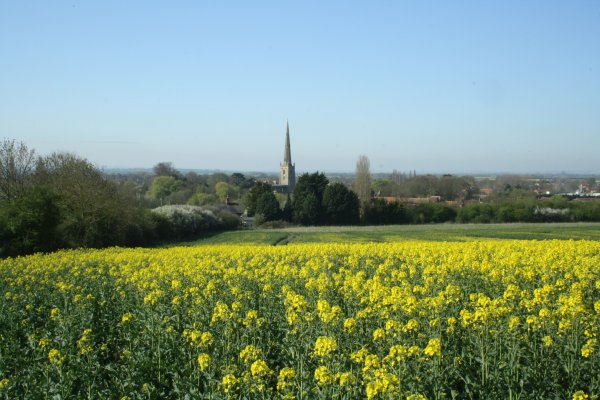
{"x": 483, "y": 194}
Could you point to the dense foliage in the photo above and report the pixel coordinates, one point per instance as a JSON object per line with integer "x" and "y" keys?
{"x": 307, "y": 205}
{"x": 532, "y": 210}
{"x": 493, "y": 319}
{"x": 340, "y": 205}
{"x": 380, "y": 212}
{"x": 63, "y": 201}
{"x": 67, "y": 202}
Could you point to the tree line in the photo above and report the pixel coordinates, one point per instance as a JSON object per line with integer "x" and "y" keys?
{"x": 63, "y": 201}
{"x": 318, "y": 202}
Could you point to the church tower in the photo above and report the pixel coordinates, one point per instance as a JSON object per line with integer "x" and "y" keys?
{"x": 287, "y": 170}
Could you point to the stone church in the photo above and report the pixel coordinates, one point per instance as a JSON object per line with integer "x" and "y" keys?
{"x": 287, "y": 170}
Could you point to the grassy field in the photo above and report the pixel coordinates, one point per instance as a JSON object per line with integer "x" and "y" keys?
{"x": 395, "y": 233}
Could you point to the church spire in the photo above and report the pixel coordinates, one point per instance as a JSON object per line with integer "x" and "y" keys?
{"x": 287, "y": 170}
{"x": 287, "y": 157}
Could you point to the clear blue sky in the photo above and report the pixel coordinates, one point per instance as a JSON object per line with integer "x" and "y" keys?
{"x": 448, "y": 86}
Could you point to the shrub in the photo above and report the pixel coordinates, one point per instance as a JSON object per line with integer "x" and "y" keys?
{"x": 379, "y": 212}
{"x": 586, "y": 212}
{"x": 179, "y": 221}
{"x": 432, "y": 213}
{"x": 477, "y": 213}
{"x": 548, "y": 214}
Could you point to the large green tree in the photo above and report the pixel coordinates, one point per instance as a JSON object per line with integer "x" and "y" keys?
{"x": 94, "y": 211}
{"x": 224, "y": 190}
{"x": 251, "y": 198}
{"x": 29, "y": 224}
{"x": 267, "y": 207}
{"x": 167, "y": 169}
{"x": 340, "y": 205}
{"x": 456, "y": 187}
{"x": 307, "y": 209}
{"x": 308, "y": 198}
{"x": 239, "y": 180}
{"x": 163, "y": 186}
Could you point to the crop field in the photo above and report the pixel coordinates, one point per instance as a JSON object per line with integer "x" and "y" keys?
{"x": 493, "y": 319}
{"x": 396, "y": 233}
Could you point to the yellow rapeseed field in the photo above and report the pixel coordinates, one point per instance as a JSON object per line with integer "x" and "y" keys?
{"x": 412, "y": 320}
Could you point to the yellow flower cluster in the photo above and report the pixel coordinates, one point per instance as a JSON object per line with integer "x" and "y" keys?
{"x": 250, "y": 354}
{"x": 55, "y": 357}
{"x": 203, "y": 361}
{"x": 327, "y": 313}
{"x": 229, "y": 383}
{"x": 284, "y": 379}
{"x": 323, "y": 376}
{"x": 260, "y": 369}
{"x": 197, "y": 338}
{"x": 434, "y": 348}
{"x": 324, "y": 346}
